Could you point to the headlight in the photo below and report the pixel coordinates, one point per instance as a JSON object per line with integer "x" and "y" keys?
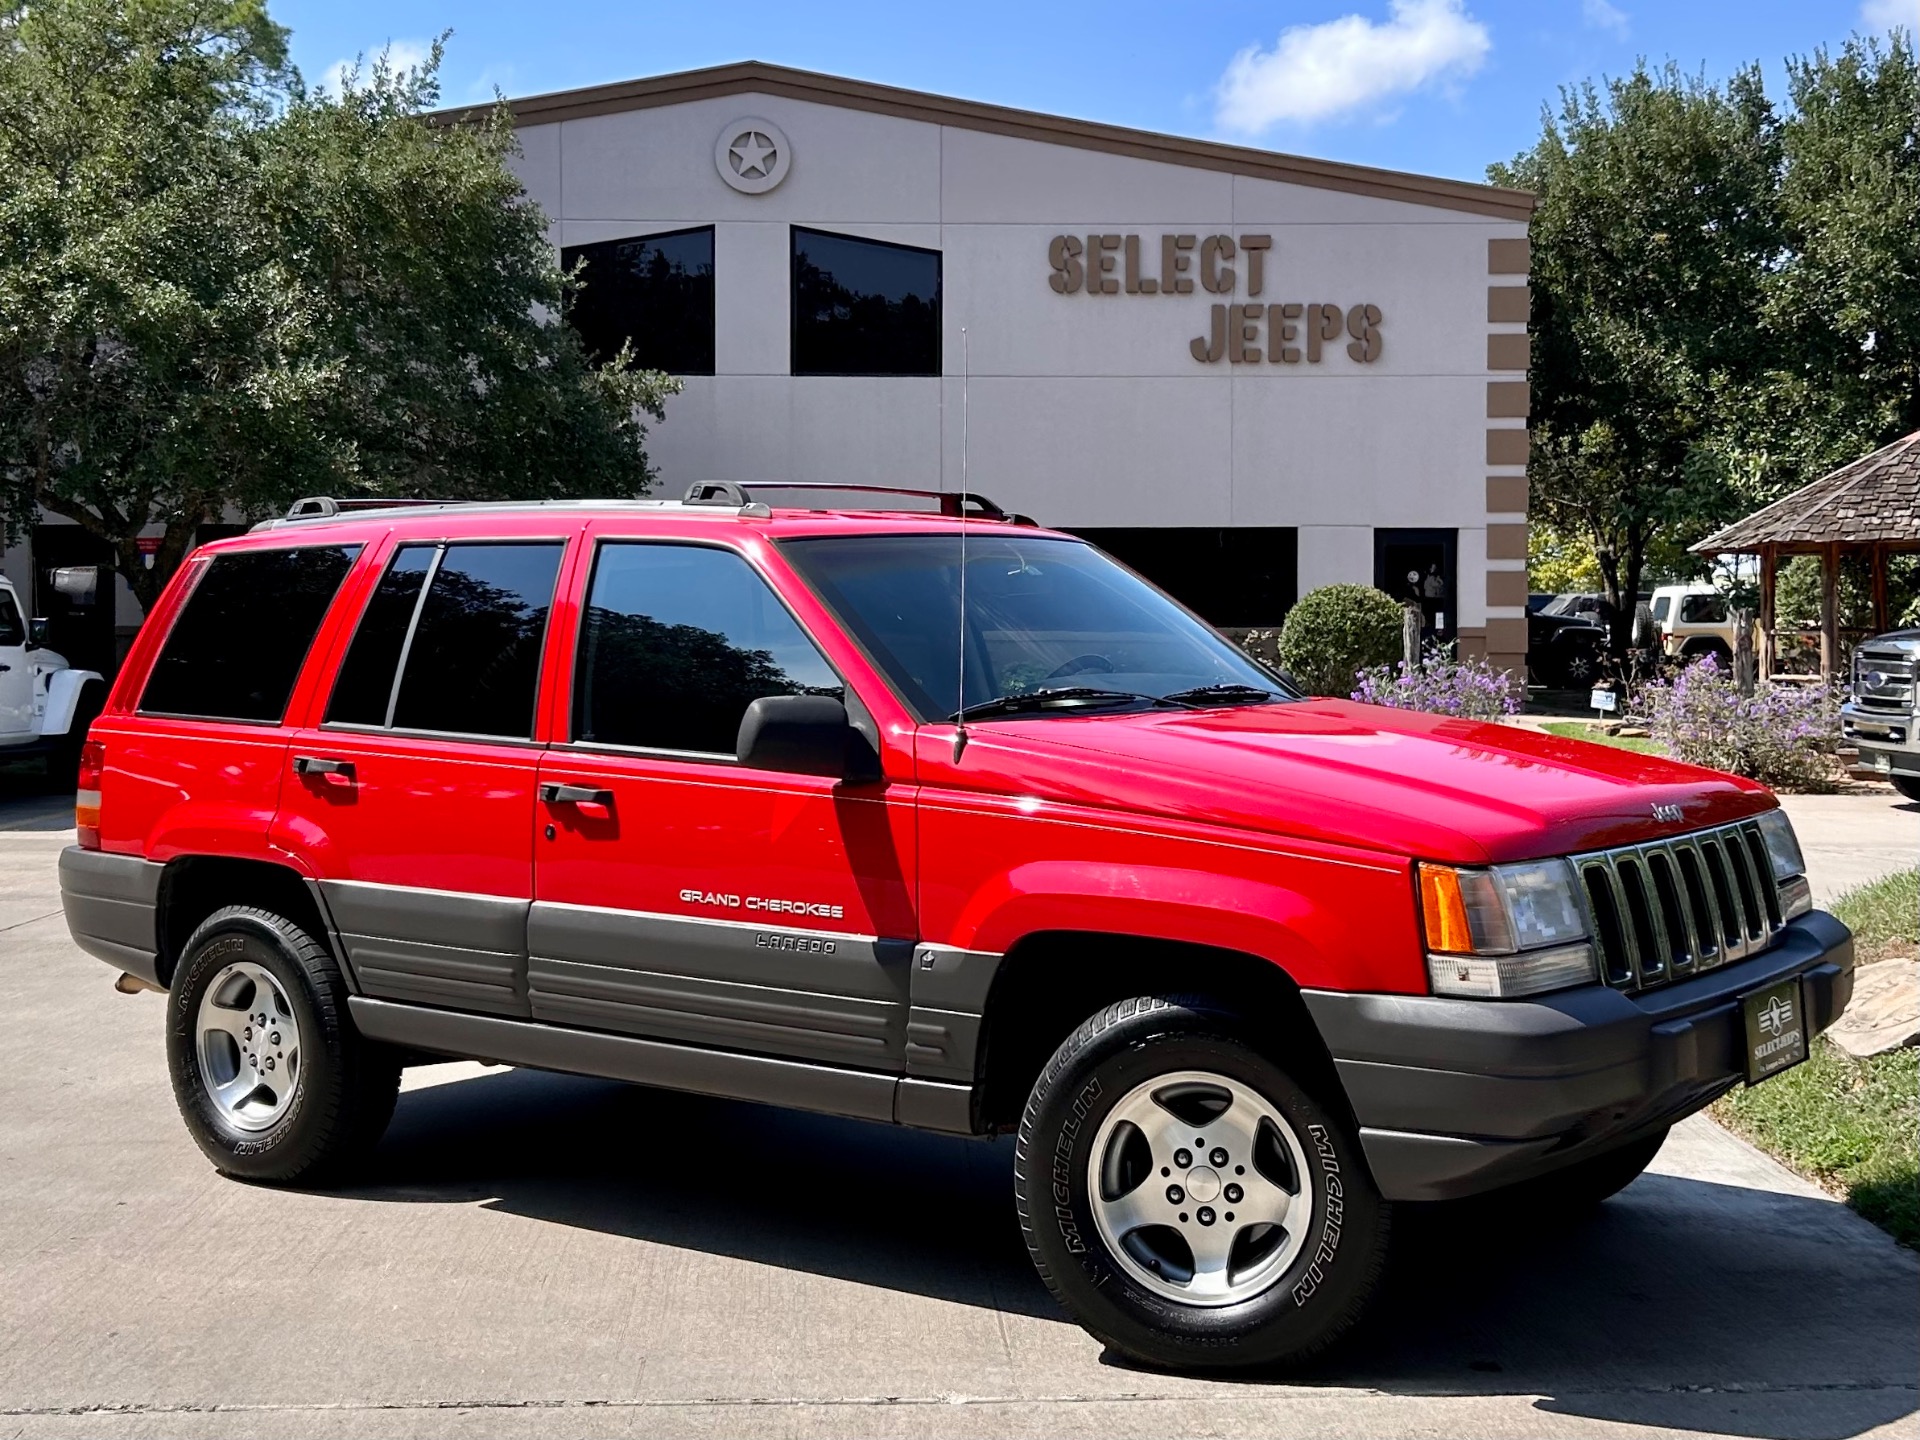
{"x": 1783, "y": 849}
{"x": 1506, "y": 931}
{"x": 1789, "y": 865}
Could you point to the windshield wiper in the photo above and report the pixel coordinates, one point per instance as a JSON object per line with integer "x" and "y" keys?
{"x": 1074, "y": 697}
{"x": 1206, "y": 694}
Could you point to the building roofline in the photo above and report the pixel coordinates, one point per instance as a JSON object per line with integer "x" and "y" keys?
{"x": 759, "y": 77}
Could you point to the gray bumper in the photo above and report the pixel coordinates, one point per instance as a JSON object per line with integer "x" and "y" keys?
{"x": 1455, "y": 1097}
{"x": 111, "y": 901}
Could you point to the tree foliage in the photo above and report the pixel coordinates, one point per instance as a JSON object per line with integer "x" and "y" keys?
{"x": 218, "y": 287}
{"x": 1726, "y": 299}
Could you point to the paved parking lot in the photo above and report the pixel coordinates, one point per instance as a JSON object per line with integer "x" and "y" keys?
{"x": 534, "y": 1254}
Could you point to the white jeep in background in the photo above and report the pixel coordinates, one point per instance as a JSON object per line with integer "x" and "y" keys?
{"x": 1693, "y": 620}
{"x": 45, "y": 704}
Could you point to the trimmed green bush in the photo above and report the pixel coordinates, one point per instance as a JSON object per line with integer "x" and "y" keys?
{"x": 1337, "y": 631}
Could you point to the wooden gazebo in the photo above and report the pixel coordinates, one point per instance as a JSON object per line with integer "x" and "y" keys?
{"x": 1870, "y": 507}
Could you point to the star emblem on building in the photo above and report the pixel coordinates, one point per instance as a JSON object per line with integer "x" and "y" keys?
{"x": 753, "y": 155}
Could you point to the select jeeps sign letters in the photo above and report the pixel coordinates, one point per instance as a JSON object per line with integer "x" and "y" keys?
{"x": 1279, "y": 332}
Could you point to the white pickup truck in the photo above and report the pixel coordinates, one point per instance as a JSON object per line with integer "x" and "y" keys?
{"x": 45, "y": 704}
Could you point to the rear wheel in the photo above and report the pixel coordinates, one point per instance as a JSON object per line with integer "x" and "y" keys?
{"x": 1192, "y": 1203}
{"x": 270, "y": 1075}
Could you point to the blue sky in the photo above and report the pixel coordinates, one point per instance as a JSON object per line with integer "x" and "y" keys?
{"x": 1435, "y": 86}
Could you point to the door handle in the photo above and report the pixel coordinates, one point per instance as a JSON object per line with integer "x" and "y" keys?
{"x": 334, "y": 772}
{"x": 588, "y": 803}
{"x": 576, "y": 795}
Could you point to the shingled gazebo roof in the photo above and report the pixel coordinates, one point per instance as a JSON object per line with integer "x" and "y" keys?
{"x": 1874, "y": 500}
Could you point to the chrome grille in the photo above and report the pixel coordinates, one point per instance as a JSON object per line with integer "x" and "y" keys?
{"x": 1883, "y": 680}
{"x": 1673, "y": 908}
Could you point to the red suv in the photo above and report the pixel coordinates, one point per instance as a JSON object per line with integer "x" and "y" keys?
{"x": 931, "y": 819}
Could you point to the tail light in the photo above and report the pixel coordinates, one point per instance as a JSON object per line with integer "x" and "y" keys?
{"x": 86, "y": 799}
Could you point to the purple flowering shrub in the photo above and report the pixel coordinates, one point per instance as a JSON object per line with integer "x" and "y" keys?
{"x": 1781, "y": 735}
{"x": 1442, "y": 685}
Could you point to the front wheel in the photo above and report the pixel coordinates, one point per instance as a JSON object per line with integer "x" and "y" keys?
{"x": 1190, "y": 1202}
{"x": 271, "y": 1077}
{"x": 1907, "y": 785}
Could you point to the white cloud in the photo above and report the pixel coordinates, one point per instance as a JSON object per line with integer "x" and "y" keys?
{"x": 1880, "y": 15}
{"x": 1600, "y": 15}
{"x": 1320, "y": 72}
{"x": 400, "y": 55}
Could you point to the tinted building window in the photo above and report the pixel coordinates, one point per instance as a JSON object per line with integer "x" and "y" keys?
{"x": 239, "y": 643}
{"x": 469, "y": 652}
{"x": 363, "y": 692}
{"x": 861, "y": 307}
{"x": 655, "y": 290}
{"x": 1242, "y": 578}
{"x": 677, "y": 641}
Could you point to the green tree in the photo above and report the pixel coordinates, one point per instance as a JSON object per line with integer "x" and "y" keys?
{"x": 1844, "y": 308}
{"x": 218, "y": 287}
{"x": 1656, "y": 224}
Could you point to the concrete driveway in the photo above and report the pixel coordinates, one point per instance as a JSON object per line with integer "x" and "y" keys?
{"x": 534, "y": 1255}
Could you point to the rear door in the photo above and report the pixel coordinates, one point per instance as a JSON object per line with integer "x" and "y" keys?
{"x": 412, "y": 800}
{"x": 679, "y": 894}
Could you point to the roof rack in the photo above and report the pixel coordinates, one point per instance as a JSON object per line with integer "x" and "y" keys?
{"x": 702, "y": 494}
{"x": 953, "y": 503}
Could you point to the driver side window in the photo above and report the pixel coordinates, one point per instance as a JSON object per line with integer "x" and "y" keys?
{"x": 677, "y": 641}
{"x": 13, "y": 630}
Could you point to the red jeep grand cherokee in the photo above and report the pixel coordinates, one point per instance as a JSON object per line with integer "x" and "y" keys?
{"x": 713, "y": 796}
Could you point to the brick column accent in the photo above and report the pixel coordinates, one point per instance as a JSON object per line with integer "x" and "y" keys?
{"x": 1508, "y": 399}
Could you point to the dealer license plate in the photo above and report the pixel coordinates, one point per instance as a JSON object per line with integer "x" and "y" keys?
{"x": 1776, "y": 1029}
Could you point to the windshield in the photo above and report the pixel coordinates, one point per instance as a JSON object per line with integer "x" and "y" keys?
{"x": 1042, "y": 614}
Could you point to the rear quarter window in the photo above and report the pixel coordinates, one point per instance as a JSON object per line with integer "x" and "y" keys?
{"x": 238, "y": 644}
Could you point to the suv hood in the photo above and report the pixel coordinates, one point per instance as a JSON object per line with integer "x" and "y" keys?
{"x": 1402, "y": 781}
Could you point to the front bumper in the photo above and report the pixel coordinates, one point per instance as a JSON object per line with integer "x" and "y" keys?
{"x": 1456, "y": 1097}
{"x": 1888, "y": 741}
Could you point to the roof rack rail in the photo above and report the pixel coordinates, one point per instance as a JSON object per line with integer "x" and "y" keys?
{"x": 319, "y": 507}
{"x": 953, "y": 503}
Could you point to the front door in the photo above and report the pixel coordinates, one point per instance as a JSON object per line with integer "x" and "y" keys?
{"x": 680, "y": 895}
{"x": 1418, "y": 565}
{"x": 413, "y": 798}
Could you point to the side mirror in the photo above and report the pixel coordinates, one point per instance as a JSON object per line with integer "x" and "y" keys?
{"x": 804, "y": 735}
{"x": 36, "y": 632}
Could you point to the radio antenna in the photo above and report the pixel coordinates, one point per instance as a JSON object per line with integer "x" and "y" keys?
{"x": 960, "y": 690}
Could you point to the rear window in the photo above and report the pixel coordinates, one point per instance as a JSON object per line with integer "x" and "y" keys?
{"x": 461, "y": 658}
{"x": 240, "y": 640}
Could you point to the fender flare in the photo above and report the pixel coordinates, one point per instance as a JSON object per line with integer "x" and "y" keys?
{"x": 64, "y": 688}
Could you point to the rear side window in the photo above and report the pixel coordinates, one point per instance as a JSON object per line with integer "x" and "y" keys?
{"x": 240, "y": 640}
{"x": 459, "y": 656}
{"x": 677, "y": 641}
{"x": 1703, "y": 610}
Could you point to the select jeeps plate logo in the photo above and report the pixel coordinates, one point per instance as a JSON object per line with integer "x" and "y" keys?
{"x": 1777, "y": 1015}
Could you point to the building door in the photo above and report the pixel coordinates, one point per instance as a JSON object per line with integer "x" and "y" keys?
{"x": 1418, "y": 565}
{"x": 681, "y": 895}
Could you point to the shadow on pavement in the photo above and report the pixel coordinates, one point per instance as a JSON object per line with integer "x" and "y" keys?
{"x": 1681, "y": 1304}
{"x": 29, "y": 803}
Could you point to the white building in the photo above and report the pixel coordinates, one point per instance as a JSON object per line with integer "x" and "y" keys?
{"x": 1283, "y": 372}
{"x": 1247, "y": 374}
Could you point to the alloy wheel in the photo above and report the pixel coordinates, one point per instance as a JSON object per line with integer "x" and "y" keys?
{"x": 1199, "y": 1186}
{"x": 249, "y": 1046}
